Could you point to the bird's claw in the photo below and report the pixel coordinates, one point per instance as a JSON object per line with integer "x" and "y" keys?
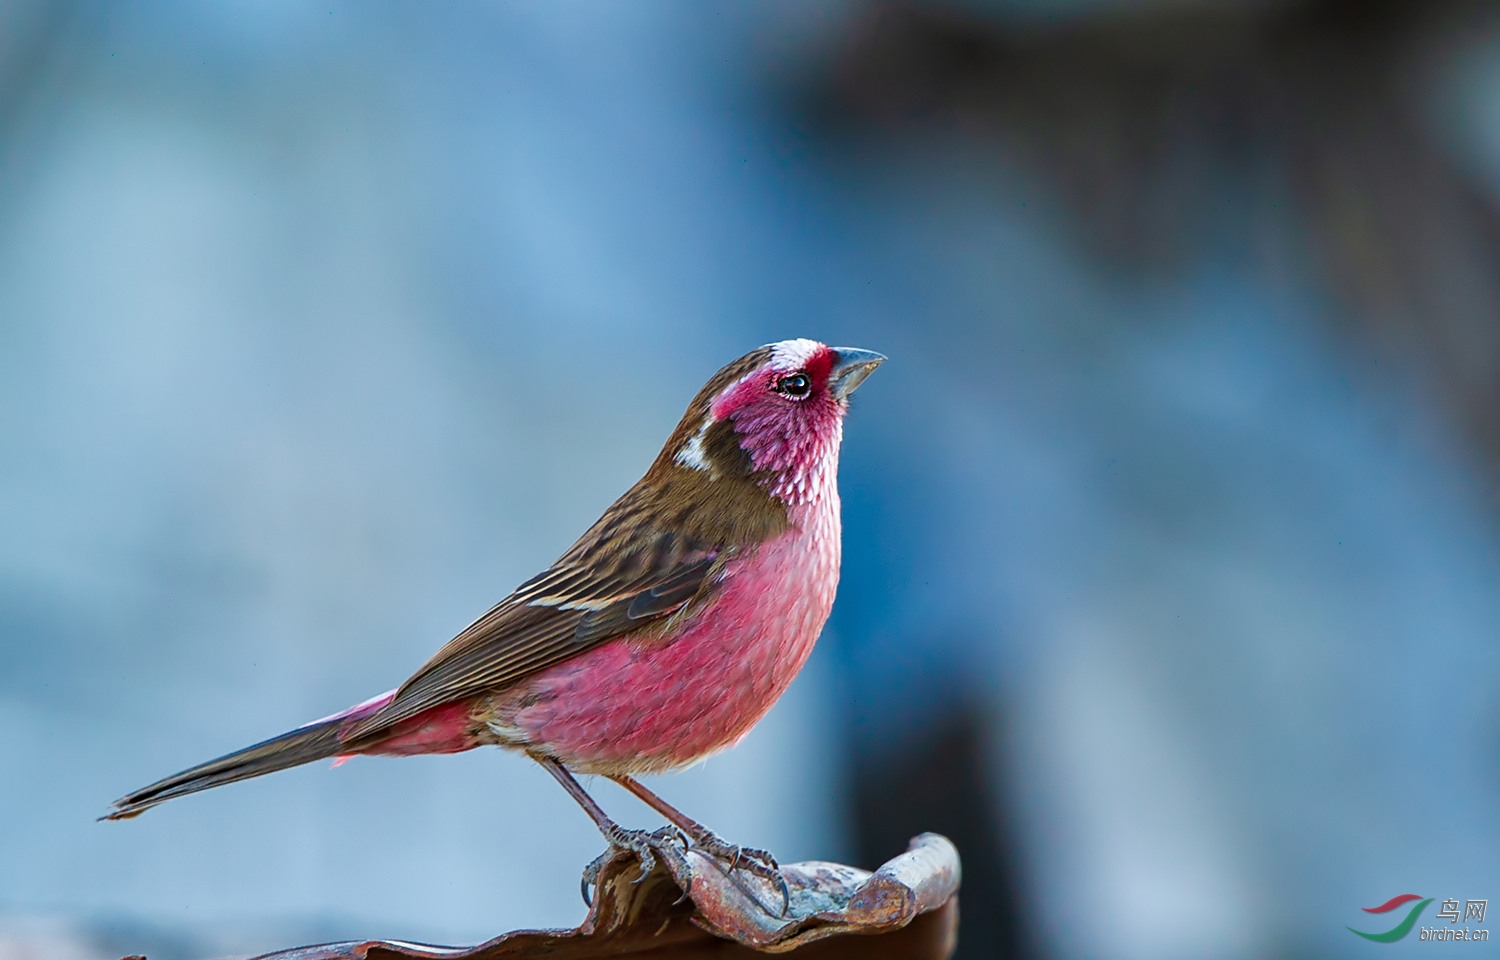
{"x": 590, "y": 876}
{"x": 644, "y": 844}
{"x": 758, "y": 863}
{"x": 647, "y": 845}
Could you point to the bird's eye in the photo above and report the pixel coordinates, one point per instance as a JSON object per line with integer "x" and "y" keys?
{"x": 794, "y": 385}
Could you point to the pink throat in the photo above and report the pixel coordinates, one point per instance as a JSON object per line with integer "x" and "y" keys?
{"x": 795, "y": 444}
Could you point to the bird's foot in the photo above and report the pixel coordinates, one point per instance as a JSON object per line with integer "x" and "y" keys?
{"x": 643, "y": 843}
{"x": 757, "y": 863}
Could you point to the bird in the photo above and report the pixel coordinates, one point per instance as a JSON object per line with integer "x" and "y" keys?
{"x": 661, "y": 637}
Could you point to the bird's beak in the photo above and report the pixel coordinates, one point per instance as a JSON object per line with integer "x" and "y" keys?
{"x": 850, "y": 369}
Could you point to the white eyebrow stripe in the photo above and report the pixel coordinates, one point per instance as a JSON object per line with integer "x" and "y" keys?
{"x": 793, "y": 354}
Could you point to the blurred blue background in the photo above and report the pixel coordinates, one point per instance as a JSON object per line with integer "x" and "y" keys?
{"x": 1170, "y": 545}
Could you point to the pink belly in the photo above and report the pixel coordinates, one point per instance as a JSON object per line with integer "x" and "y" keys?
{"x": 647, "y": 706}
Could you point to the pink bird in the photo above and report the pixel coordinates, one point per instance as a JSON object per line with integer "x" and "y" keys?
{"x": 660, "y": 637}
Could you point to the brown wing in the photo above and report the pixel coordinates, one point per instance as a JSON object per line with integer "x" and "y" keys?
{"x": 521, "y": 636}
{"x": 623, "y": 575}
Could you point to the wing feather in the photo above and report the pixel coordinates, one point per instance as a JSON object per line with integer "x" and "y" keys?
{"x": 627, "y": 583}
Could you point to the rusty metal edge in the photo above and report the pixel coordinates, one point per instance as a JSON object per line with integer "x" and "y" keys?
{"x": 920, "y": 880}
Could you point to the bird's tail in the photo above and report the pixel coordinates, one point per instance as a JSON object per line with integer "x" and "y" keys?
{"x": 314, "y": 741}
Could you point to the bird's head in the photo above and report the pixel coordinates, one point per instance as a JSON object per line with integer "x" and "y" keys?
{"x": 775, "y": 414}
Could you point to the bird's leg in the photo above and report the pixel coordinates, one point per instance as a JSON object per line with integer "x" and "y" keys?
{"x": 758, "y": 862}
{"x": 640, "y": 842}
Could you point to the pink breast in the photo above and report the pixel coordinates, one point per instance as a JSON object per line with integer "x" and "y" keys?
{"x": 639, "y": 707}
